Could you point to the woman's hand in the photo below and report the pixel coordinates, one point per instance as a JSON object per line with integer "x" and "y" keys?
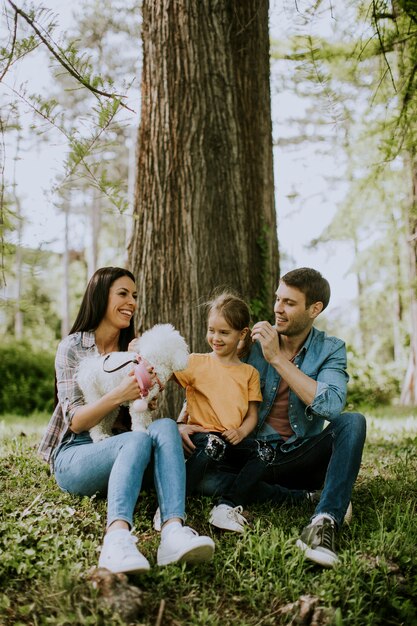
{"x": 128, "y": 389}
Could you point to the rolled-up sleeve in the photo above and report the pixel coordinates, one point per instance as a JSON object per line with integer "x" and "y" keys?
{"x": 70, "y": 395}
{"x": 332, "y": 379}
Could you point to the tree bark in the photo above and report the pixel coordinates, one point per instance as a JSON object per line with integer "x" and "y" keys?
{"x": 204, "y": 200}
{"x": 409, "y": 387}
{"x": 406, "y": 50}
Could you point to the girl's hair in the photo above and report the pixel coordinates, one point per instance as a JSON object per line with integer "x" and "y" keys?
{"x": 236, "y": 313}
{"x": 94, "y": 303}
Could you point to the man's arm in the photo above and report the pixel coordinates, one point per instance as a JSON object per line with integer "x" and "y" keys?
{"x": 324, "y": 395}
{"x": 302, "y": 385}
{"x": 332, "y": 379}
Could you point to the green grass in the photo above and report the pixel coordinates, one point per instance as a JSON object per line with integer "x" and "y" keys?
{"x": 49, "y": 542}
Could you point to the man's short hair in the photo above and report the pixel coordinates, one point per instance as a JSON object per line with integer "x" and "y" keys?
{"x": 311, "y": 283}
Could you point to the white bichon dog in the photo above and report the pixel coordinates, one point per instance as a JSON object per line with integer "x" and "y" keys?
{"x": 161, "y": 347}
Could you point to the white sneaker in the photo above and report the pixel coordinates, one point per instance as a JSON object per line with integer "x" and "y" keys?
{"x": 157, "y": 520}
{"x": 228, "y": 518}
{"x": 184, "y": 544}
{"x": 317, "y": 541}
{"x": 120, "y": 554}
{"x": 314, "y": 497}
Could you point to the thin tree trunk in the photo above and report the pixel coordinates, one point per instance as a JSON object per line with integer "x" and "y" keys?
{"x": 65, "y": 324}
{"x": 406, "y": 51}
{"x": 18, "y": 314}
{"x": 397, "y": 312}
{"x": 409, "y": 388}
{"x": 361, "y": 301}
{"x": 95, "y": 225}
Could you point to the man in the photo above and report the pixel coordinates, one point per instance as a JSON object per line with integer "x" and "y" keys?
{"x": 303, "y": 382}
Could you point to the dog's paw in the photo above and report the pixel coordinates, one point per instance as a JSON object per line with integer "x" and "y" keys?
{"x": 101, "y": 437}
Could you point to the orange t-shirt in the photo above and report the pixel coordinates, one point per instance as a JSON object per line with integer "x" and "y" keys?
{"x": 218, "y": 395}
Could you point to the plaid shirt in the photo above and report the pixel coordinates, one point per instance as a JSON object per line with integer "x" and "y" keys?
{"x": 69, "y": 353}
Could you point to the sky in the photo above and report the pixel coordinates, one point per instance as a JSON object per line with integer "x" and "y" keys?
{"x": 305, "y": 204}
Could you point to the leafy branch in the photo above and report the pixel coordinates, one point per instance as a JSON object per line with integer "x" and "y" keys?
{"x": 62, "y": 57}
{"x": 13, "y": 45}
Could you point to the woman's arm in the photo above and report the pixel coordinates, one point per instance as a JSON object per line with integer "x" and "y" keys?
{"x": 78, "y": 415}
{"x": 88, "y": 415}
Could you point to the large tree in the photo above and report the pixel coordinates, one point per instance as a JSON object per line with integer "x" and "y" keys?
{"x": 204, "y": 201}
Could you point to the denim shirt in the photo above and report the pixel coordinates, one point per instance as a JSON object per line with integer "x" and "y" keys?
{"x": 322, "y": 358}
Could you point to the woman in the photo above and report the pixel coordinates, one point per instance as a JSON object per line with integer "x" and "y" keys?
{"x": 115, "y": 466}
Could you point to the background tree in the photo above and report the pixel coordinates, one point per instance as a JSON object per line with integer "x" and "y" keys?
{"x": 204, "y": 200}
{"x": 363, "y": 78}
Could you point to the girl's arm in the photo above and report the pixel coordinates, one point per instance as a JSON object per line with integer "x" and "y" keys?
{"x": 250, "y": 421}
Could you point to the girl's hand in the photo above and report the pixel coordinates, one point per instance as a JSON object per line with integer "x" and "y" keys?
{"x": 233, "y": 436}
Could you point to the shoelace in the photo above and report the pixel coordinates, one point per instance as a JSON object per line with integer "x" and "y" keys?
{"x": 236, "y": 515}
{"x": 189, "y": 531}
{"x": 126, "y": 545}
{"x": 325, "y": 533}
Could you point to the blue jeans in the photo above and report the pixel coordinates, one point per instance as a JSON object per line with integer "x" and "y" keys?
{"x": 330, "y": 460}
{"x": 115, "y": 467}
{"x": 250, "y": 456}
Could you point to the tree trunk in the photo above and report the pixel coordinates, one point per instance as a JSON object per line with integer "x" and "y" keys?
{"x": 409, "y": 388}
{"x": 204, "y": 198}
{"x": 18, "y": 313}
{"x": 65, "y": 324}
{"x": 406, "y": 53}
{"x": 95, "y": 225}
{"x": 363, "y": 333}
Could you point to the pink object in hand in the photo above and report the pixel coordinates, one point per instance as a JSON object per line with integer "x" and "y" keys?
{"x": 143, "y": 377}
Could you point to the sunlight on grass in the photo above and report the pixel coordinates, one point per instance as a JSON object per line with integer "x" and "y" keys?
{"x": 50, "y": 541}
{"x": 14, "y": 425}
{"x": 387, "y": 427}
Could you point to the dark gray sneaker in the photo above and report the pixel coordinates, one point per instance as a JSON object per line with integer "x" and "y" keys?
{"x": 317, "y": 541}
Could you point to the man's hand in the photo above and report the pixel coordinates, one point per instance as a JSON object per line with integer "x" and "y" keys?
{"x": 233, "y": 436}
{"x": 185, "y": 431}
{"x": 268, "y": 338}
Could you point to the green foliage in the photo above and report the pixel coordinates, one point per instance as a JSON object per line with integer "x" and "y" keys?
{"x": 49, "y": 542}
{"x": 40, "y": 275}
{"x": 27, "y": 378}
{"x": 371, "y": 384}
{"x": 260, "y": 306}
{"x": 362, "y": 77}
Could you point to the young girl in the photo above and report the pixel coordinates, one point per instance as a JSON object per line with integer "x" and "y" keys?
{"x": 222, "y": 395}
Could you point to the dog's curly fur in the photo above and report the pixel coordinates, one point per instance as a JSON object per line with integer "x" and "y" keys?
{"x": 162, "y": 346}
